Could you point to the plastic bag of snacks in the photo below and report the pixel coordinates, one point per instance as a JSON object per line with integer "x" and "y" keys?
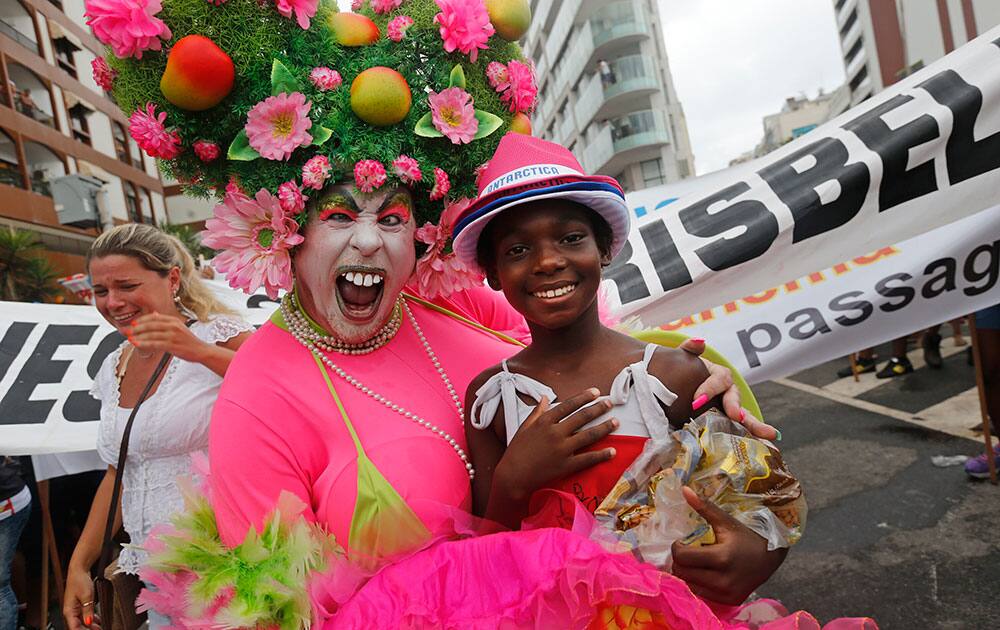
{"x": 721, "y": 462}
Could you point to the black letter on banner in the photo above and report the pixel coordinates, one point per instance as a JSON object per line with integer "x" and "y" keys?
{"x": 991, "y": 271}
{"x": 11, "y": 344}
{"x": 761, "y": 228}
{"x": 255, "y": 301}
{"x": 837, "y": 304}
{"x": 80, "y": 406}
{"x": 797, "y": 190}
{"x": 626, "y": 276}
{"x": 750, "y": 350}
{"x": 966, "y": 157}
{"x": 946, "y": 277}
{"x": 812, "y": 324}
{"x": 893, "y": 146}
{"x": 667, "y": 261}
{"x": 16, "y": 407}
{"x": 907, "y": 293}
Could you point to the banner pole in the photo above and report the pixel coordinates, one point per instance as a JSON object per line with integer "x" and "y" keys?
{"x": 981, "y": 388}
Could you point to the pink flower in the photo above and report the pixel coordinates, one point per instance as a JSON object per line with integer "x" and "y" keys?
{"x": 441, "y": 184}
{"x": 303, "y": 9}
{"x": 454, "y": 115}
{"x": 147, "y": 128}
{"x": 128, "y": 26}
{"x": 465, "y": 26}
{"x": 104, "y": 76}
{"x": 325, "y": 79}
{"x": 256, "y": 236}
{"x": 291, "y": 198}
{"x": 406, "y": 169}
{"x": 521, "y": 92}
{"x": 206, "y": 151}
{"x": 385, "y": 6}
{"x": 278, "y": 125}
{"x": 496, "y": 72}
{"x": 396, "y": 30}
{"x": 217, "y": 3}
{"x": 315, "y": 171}
{"x": 437, "y": 272}
{"x": 369, "y": 175}
{"x": 356, "y": 5}
{"x": 233, "y": 187}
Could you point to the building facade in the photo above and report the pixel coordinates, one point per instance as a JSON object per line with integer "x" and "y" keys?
{"x": 68, "y": 167}
{"x": 799, "y": 115}
{"x": 605, "y": 90}
{"x": 885, "y": 40}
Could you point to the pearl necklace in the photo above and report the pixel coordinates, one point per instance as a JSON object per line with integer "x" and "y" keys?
{"x": 312, "y": 346}
{"x": 297, "y": 322}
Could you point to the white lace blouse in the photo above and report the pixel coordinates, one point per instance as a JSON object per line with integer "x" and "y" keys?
{"x": 171, "y": 425}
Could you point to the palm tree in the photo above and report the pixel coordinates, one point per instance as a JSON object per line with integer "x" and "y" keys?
{"x": 37, "y": 281}
{"x": 17, "y": 250}
{"x": 190, "y": 238}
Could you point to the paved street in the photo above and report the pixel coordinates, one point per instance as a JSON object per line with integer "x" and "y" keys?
{"x": 889, "y": 535}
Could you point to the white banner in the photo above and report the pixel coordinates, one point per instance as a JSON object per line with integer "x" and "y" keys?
{"x": 49, "y": 354}
{"x": 859, "y": 303}
{"x": 919, "y": 155}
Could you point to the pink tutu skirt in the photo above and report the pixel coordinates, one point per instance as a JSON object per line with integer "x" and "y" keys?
{"x": 542, "y": 578}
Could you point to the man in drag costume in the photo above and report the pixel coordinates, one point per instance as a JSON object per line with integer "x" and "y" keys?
{"x": 341, "y": 148}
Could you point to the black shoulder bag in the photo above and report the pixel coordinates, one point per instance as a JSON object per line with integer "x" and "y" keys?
{"x": 115, "y": 595}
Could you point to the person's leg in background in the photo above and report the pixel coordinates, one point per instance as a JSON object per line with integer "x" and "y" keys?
{"x": 931, "y": 342}
{"x": 864, "y": 363}
{"x": 898, "y": 365}
{"x": 10, "y": 532}
{"x": 988, "y": 336}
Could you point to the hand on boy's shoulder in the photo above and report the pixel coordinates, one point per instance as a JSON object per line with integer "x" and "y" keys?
{"x": 681, "y": 372}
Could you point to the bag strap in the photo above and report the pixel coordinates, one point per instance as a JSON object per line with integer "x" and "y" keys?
{"x": 105, "y": 559}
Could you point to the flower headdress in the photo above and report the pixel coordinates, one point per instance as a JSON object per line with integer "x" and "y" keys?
{"x": 260, "y": 105}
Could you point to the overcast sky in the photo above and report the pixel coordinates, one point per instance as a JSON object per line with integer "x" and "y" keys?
{"x": 735, "y": 61}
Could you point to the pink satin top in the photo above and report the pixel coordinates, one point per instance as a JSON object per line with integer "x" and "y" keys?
{"x": 275, "y": 427}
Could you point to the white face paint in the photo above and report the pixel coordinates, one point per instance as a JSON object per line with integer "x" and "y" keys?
{"x": 357, "y": 255}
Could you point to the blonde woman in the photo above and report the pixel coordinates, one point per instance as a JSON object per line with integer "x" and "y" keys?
{"x": 146, "y": 285}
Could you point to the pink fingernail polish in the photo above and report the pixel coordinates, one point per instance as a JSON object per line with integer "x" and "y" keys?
{"x": 743, "y": 414}
{"x": 697, "y": 339}
{"x": 699, "y": 401}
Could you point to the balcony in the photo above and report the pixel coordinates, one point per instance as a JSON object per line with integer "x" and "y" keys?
{"x": 630, "y": 77}
{"x": 617, "y": 21}
{"x": 620, "y": 139}
{"x": 561, "y": 28}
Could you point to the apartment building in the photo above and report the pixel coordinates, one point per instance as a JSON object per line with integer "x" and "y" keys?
{"x": 605, "y": 89}
{"x": 884, "y": 40}
{"x": 68, "y": 167}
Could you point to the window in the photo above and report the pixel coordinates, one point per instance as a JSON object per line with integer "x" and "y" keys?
{"x": 44, "y": 166}
{"x": 851, "y": 19}
{"x": 10, "y": 168}
{"x": 64, "y": 49}
{"x": 31, "y": 94}
{"x": 855, "y": 49}
{"x": 132, "y": 202}
{"x": 859, "y": 78}
{"x": 18, "y": 23}
{"x": 652, "y": 173}
{"x": 121, "y": 142}
{"x": 78, "y": 122}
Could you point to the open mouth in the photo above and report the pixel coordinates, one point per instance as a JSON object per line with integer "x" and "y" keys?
{"x": 552, "y": 294}
{"x": 359, "y": 292}
{"x": 125, "y": 318}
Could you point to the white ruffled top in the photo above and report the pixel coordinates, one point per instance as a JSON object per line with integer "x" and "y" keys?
{"x": 171, "y": 425}
{"x": 637, "y": 400}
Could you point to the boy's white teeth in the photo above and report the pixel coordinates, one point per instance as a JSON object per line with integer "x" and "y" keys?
{"x": 554, "y": 293}
{"x": 122, "y": 318}
{"x": 362, "y": 279}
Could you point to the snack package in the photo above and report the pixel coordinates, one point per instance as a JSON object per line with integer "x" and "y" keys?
{"x": 722, "y": 463}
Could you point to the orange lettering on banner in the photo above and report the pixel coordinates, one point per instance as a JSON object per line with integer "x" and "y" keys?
{"x": 816, "y": 277}
{"x": 707, "y": 316}
{"x": 792, "y": 287}
{"x": 882, "y": 253}
{"x": 678, "y": 324}
{"x": 841, "y": 268}
{"x": 760, "y": 298}
{"x": 730, "y": 307}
